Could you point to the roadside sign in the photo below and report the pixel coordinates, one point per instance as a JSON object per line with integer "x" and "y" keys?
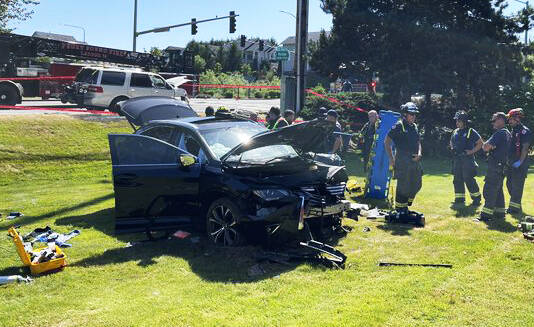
{"x": 282, "y": 54}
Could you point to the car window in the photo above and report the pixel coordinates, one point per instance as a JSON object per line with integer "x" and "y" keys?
{"x": 87, "y": 75}
{"x": 191, "y": 145}
{"x": 188, "y": 143}
{"x": 113, "y": 78}
{"x": 158, "y": 81}
{"x": 139, "y": 150}
{"x": 140, "y": 80}
{"x": 163, "y": 133}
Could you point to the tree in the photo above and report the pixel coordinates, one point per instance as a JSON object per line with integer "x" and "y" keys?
{"x": 463, "y": 50}
{"x": 155, "y": 51}
{"x": 199, "y": 64}
{"x": 233, "y": 59}
{"x": 15, "y": 10}
{"x": 246, "y": 69}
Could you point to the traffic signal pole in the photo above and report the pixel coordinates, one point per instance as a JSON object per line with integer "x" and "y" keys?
{"x": 300, "y": 53}
{"x": 168, "y": 28}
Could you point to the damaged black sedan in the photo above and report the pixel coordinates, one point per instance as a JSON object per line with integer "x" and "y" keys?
{"x": 228, "y": 176}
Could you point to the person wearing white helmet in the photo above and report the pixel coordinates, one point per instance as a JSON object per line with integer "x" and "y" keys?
{"x": 406, "y": 162}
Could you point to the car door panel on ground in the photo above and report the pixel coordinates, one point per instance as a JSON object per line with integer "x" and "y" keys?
{"x": 151, "y": 186}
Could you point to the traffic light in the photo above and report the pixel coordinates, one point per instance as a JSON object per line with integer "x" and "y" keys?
{"x": 243, "y": 39}
{"x": 261, "y": 45}
{"x": 193, "y": 26}
{"x": 232, "y": 21}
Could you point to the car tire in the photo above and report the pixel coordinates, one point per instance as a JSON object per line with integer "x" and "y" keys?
{"x": 113, "y": 107}
{"x": 222, "y": 223}
{"x": 8, "y": 95}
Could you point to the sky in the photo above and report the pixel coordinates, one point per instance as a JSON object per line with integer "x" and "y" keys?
{"x": 109, "y": 23}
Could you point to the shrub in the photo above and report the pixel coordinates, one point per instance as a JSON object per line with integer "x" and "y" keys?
{"x": 228, "y": 94}
{"x": 258, "y": 95}
{"x": 273, "y": 94}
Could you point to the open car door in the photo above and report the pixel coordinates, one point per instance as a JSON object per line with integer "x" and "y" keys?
{"x": 154, "y": 188}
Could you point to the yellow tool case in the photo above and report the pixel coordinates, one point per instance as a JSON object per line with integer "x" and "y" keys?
{"x": 37, "y": 268}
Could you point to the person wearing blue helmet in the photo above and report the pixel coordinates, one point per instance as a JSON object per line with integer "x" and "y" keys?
{"x": 406, "y": 162}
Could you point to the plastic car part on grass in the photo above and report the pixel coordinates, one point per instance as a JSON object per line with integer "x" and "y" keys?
{"x": 378, "y": 180}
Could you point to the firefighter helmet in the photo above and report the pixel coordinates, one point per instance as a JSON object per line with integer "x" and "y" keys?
{"x": 409, "y": 108}
{"x": 516, "y": 113}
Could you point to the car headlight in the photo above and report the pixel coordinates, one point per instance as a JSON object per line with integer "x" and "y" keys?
{"x": 271, "y": 194}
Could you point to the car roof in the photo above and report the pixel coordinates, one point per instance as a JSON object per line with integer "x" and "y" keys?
{"x": 201, "y": 123}
{"x": 120, "y": 69}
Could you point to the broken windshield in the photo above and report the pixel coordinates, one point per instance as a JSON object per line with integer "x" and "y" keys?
{"x": 222, "y": 140}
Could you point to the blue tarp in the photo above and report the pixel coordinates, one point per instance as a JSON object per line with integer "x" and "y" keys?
{"x": 377, "y": 186}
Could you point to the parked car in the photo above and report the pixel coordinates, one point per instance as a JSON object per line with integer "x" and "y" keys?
{"x": 99, "y": 87}
{"x": 229, "y": 176}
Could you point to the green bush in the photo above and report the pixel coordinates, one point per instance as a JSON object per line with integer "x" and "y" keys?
{"x": 350, "y": 118}
{"x": 228, "y": 94}
{"x": 273, "y": 94}
{"x": 258, "y": 95}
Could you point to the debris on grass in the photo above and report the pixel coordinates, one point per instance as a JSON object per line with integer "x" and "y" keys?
{"x": 14, "y": 279}
{"x": 435, "y": 265}
{"x": 13, "y": 215}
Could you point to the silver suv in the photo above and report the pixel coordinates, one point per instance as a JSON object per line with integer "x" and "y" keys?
{"x": 105, "y": 87}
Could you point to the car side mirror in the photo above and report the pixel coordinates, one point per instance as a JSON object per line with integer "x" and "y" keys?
{"x": 168, "y": 86}
{"x": 187, "y": 160}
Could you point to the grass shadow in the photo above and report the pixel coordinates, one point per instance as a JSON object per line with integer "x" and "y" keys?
{"x": 31, "y": 219}
{"x": 397, "y": 229}
{"x": 501, "y": 225}
{"x": 464, "y": 211}
{"x": 211, "y": 263}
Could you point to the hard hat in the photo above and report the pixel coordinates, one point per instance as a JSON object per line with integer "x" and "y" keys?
{"x": 410, "y": 108}
{"x": 516, "y": 113}
{"x": 461, "y": 115}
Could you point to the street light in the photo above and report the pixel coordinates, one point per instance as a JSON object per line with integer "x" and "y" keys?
{"x": 526, "y": 30}
{"x": 290, "y": 14}
{"x": 75, "y": 26}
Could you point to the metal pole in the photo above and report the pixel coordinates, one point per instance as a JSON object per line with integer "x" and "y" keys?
{"x": 296, "y": 63}
{"x": 528, "y": 25}
{"x": 302, "y": 39}
{"x": 135, "y": 26}
{"x": 80, "y": 27}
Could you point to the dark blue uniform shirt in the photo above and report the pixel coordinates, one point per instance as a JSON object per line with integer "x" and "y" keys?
{"x": 501, "y": 140}
{"x": 520, "y": 135}
{"x": 331, "y": 139}
{"x": 406, "y": 138}
{"x": 464, "y": 139}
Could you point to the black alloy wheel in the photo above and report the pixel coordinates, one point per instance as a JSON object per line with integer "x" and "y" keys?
{"x": 222, "y": 224}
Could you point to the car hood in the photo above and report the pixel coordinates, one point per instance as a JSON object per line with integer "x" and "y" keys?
{"x": 141, "y": 110}
{"x": 304, "y": 137}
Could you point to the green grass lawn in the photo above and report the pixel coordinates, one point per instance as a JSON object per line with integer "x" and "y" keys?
{"x": 56, "y": 170}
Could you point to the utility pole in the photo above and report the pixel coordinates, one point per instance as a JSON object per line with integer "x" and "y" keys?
{"x": 526, "y": 30}
{"x": 301, "y": 39}
{"x": 135, "y": 25}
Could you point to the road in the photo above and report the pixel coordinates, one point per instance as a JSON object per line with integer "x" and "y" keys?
{"x": 260, "y": 106}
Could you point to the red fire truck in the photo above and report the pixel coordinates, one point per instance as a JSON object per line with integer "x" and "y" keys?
{"x": 22, "y": 75}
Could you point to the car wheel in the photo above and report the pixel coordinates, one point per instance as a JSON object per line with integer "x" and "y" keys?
{"x": 8, "y": 95}
{"x": 222, "y": 223}
{"x": 113, "y": 107}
